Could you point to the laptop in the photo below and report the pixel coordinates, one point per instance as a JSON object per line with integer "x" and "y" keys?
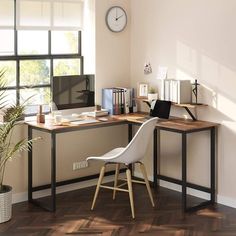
{"x": 161, "y": 109}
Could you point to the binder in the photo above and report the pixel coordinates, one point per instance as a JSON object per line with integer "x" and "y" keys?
{"x": 184, "y": 91}
{"x": 108, "y": 100}
{"x": 117, "y": 100}
{"x": 178, "y": 91}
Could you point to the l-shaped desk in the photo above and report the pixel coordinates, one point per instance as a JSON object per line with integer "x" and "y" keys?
{"x": 177, "y": 125}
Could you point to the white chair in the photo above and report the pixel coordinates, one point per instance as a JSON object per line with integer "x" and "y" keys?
{"x": 131, "y": 154}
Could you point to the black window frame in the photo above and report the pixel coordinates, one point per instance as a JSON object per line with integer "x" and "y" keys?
{"x": 18, "y": 58}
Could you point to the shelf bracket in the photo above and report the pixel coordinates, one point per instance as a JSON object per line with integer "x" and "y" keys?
{"x": 190, "y": 113}
{"x": 148, "y": 103}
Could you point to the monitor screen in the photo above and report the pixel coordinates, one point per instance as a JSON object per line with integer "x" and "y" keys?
{"x": 73, "y": 91}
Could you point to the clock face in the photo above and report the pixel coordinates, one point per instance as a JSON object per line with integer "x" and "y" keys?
{"x": 116, "y": 19}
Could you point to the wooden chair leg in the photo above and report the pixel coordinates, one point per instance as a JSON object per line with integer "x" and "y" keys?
{"x": 143, "y": 170}
{"x": 128, "y": 174}
{"x": 102, "y": 172}
{"x": 116, "y": 179}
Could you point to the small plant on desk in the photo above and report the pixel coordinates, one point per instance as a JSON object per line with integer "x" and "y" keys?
{"x": 152, "y": 94}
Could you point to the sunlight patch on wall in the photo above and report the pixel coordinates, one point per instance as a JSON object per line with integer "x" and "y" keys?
{"x": 226, "y": 106}
{"x": 217, "y": 81}
{"x": 181, "y": 75}
{"x": 187, "y": 59}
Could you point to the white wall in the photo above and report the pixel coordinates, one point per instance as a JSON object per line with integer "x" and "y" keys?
{"x": 196, "y": 40}
{"x": 112, "y": 50}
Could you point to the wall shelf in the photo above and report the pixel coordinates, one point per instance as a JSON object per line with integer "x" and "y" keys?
{"x": 186, "y": 106}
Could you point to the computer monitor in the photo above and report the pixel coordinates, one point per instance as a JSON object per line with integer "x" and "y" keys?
{"x": 73, "y": 91}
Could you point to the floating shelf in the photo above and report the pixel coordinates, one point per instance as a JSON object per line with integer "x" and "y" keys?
{"x": 190, "y": 105}
{"x": 186, "y": 106}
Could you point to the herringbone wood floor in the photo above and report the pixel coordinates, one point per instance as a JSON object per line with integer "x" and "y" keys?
{"x": 113, "y": 218}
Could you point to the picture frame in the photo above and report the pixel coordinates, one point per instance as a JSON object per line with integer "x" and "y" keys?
{"x": 142, "y": 90}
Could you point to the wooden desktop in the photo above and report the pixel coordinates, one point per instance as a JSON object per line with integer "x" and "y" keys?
{"x": 179, "y": 125}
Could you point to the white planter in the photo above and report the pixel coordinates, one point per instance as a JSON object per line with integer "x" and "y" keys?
{"x": 152, "y": 96}
{"x": 5, "y": 204}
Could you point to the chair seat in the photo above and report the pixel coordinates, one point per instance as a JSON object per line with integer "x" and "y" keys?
{"x": 107, "y": 157}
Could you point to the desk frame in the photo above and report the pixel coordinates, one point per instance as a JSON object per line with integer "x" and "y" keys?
{"x": 184, "y": 183}
{"x": 54, "y": 183}
{"x": 156, "y": 164}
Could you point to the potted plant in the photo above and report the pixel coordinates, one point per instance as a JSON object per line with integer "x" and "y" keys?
{"x": 8, "y": 150}
{"x": 152, "y": 94}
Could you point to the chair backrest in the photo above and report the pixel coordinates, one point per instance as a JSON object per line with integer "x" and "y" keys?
{"x": 137, "y": 148}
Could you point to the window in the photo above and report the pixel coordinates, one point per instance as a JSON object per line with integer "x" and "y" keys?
{"x": 7, "y": 42}
{"x": 34, "y": 72}
{"x": 39, "y": 40}
{"x": 32, "y": 42}
{"x": 10, "y": 72}
{"x": 69, "y": 40}
{"x": 66, "y": 67}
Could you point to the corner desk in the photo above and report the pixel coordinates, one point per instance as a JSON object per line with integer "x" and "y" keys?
{"x": 177, "y": 125}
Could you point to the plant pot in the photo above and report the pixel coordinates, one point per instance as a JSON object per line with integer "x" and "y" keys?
{"x": 5, "y": 203}
{"x": 152, "y": 96}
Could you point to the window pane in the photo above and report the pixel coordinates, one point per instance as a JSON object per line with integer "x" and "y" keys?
{"x": 64, "y": 42}
{"x": 66, "y": 67}
{"x": 7, "y": 42}
{"x": 32, "y": 42}
{"x": 35, "y": 96}
{"x": 10, "y": 72}
{"x": 10, "y": 97}
{"x": 33, "y": 109}
{"x": 34, "y": 72}
{"x": 7, "y": 13}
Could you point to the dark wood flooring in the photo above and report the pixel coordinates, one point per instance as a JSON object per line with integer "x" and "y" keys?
{"x": 73, "y": 216}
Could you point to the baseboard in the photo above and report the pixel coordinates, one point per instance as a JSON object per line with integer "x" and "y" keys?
{"x": 227, "y": 201}
{"x": 22, "y": 197}
{"x": 177, "y": 188}
{"x": 230, "y": 202}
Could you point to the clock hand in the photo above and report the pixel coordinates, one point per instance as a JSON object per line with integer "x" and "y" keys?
{"x": 119, "y": 17}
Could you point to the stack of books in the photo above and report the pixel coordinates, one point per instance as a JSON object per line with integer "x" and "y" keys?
{"x": 178, "y": 91}
{"x": 118, "y": 100}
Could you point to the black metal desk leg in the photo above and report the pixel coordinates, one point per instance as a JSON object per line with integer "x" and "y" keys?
{"x": 130, "y": 136}
{"x": 184, "y": 171}
{"x": 155, "y": 156}
{"x": 30, "y": 166}
{"x": 213, "y": 165}
{"x": 53, "y": 171}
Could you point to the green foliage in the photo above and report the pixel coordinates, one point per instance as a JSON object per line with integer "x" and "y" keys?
{"x": 8, "y": 149}
{"x": 152, "y": 90}
{"x": 34, "y": 72}
{"x": 68, "y": 66}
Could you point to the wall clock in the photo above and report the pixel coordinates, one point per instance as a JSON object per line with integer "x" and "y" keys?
{"x": 116, "y": 19}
